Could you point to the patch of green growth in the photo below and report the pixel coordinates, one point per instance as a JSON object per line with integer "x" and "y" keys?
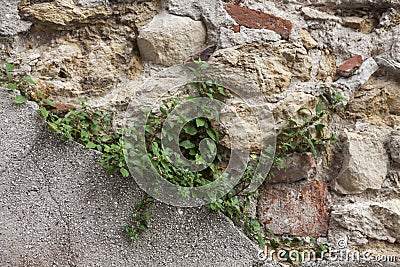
{"x": 13, "y": 82}
{"x": 192, "y": 133}
{"x": 92, "y": 128}
{"x": 309, "y": 133}
{"x": 306, "y": 135}
{"x": 140, "y": 218}
{"x": 237, "y": 201}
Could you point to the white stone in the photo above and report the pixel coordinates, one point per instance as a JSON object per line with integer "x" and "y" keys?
{"x": 211, "y": 12}
{"x": 170, "y": 39}
{"x": 92, "y": 3}
{"x": 10, "y": 21}
{"x": 365, "y": 164}
{"x": 319, "y": 15}
{"x": 376, "y": 220}
{"x": 229, "y": 38}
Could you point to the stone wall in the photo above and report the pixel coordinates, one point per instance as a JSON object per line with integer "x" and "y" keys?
{"x": 291, "y": 50}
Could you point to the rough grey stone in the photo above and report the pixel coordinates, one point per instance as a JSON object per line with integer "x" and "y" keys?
{"x": 296, "y": 167}
{"x": 59, "y": 207}
{"x": 391, "y": 58}
{"x": 311, "y": 13}
{"x": 11, "y": 131}
{"x": 376, "y": 220}
{"x": 346, "y": 42}
{"x": 92, "y": 3}
{"x": 365, "y": 164}
{"x": 170, "y": 39}
{"x": 355, "y": 4}
{"x": 229, "y": 38}
{"x": 211, "y": 12}
{"x": 10, "y": 21}
{"x": 389, "y": 63}
{"x": 395, "y": 147}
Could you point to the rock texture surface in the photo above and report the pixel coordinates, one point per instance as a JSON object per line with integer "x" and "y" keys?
{"x": 170, "y": 39}
{"x": 395, "y": 148}
{"x": 296, "y": 167}
{"x": 273, "y": 68}
{"x": 10, "y": 21}
{"x": 377, "y": 220}
{"x": 365, "y": 164}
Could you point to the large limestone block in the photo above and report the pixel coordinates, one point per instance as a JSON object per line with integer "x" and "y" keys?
{"x": 170, "y": 39}
{"x": 376, "y": 220}
{"x": 365, "y": 164}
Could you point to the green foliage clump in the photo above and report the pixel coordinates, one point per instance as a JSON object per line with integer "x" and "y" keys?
{"x": 85, "y": 125}
{"x": 306, "y": 135}
{"x": 236, "y": 202}
{"x": 13, "y": 82}
{"x": 93, "y": 129}
{"x": 140, "y": 218}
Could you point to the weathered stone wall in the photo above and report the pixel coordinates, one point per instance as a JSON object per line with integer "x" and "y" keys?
{"x": 291, "y": 50}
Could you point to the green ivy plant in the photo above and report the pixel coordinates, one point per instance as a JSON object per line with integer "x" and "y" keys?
{"x": 93, "y": 129}
{"x": 309, "y": 133}
{"x": 140, "y": 218}
{"x": 13, "y": 82}
{"x": 85, "y": 125}
{"x": 237, "y": 201}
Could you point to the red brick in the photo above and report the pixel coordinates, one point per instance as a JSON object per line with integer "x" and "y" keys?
{"x": 299, "y": 209}
{"x": 296, "y": 167}
{"x": 258, "y": 20}
{"x": 351, "y": 64}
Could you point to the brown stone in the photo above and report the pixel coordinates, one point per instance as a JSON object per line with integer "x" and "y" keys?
{"x": 62, "y": 108}
{"x": 296, "y": 167}
{"x": 235, "y": 28}
{"x": 376, "y": 102}
{"x": 368, "y": 25}
{"x": 307, "y": 40}
{"x": 258, "y": 20}
{"x": 351, "y": 64}
{"x": 352, "y": 22}
{"x": 299, "y": 209}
